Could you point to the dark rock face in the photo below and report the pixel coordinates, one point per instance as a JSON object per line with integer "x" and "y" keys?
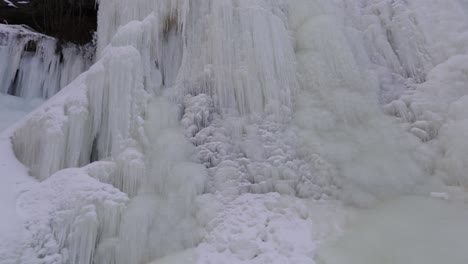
{"x": 67, "y": 20}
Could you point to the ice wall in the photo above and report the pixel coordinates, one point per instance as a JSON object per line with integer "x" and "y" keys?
{"x": 338, "y": 110}
{"x": 231, "y": 40}
{"x": 101, "y": 116}
{"x": 222, "y": 45}
{"x": 432, "y": 108}
{"x": 37, "y": 66}
{"x": 81, "y": 124}
{"x": 78, "y": 127}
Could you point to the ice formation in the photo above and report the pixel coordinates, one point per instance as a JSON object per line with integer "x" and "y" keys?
{"x": 197, "y": 110}
{"x": 339, "y": 111}
{"x": 69, "y": 214}
{"x": 38, "y": 66}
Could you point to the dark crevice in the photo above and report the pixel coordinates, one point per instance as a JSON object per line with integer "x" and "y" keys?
{"x": 14, "y": 84}
{"x": 31, "y": 46}
{"x": 94, "y": 156}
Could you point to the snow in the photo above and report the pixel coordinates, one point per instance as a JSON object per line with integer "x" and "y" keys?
{"x": 9, "y": 3}
{"x": 265, "y": 131}
{"x": 268, "y": 228}
{"x": 14, "y": 178}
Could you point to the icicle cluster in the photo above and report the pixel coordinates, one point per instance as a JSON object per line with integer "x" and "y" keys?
{"x": 99, "y": 116}
{"x": 34, "y": 65}
{"x": 240, "y": 54}
{"x": 70, "y": 131}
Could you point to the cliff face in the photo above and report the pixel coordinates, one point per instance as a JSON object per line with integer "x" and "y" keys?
{"x": 68, "y": 20}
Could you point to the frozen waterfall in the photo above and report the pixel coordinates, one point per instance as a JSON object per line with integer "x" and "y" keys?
{"x": 38, "y": 66}
{"x": 242, "y": 131}
{"x": 35, "y": 67}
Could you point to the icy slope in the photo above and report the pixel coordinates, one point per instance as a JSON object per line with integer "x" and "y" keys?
{"x": 235, "y": 130}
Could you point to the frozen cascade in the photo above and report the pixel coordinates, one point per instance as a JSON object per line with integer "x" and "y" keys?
{"x": 161, "y": 218}
{"x": 342, "y": 110}
{"x": 38, "y": 66}
{"x": 338, "y": 109}
{"x": 35, "y": 67}
{"x": 196, "y": 109}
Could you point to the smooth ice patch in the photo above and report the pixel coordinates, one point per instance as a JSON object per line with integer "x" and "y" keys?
{"x": 13, "y": 108}
{"x": 186, "y": 256}
{"x": 412, "y": 229}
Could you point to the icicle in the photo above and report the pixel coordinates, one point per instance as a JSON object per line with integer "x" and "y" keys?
{"x": 116, "y": 13}
{"x": 38, "y": 66}
{"x": 241, "y": 55}
{"x": 71, "y": 129}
